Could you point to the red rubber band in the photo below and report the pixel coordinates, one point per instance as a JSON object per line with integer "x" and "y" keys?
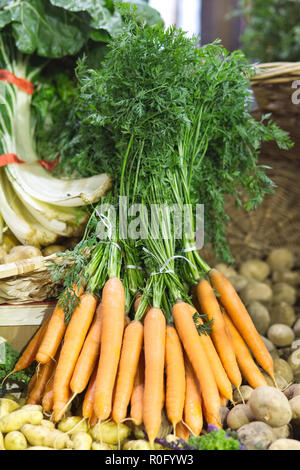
{"x": 8, "y": 158}
{"x": 22, "y": 83}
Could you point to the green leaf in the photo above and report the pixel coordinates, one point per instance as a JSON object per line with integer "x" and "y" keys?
{"x": 5, "y": 18}
{"x": 39, "y": 27}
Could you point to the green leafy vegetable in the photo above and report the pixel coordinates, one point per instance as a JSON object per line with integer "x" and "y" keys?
{"x": 11, "y": 356}
{"x": 57, "y": 28}
{"x": 215, "y": 440}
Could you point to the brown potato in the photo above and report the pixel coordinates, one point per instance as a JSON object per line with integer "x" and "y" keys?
{"x": 285, "y": 444}
{"x": 283, "y": 313}
{"x": 243, "y": 394}
{"x": 255, "y": 269}
{"x": 281, "y": 259}
{"x": 256, "y": 435}
{"x": 283, "y": 292}
{"x": 283, "y": 368}
{"x": 239, "y": 415}
{"x": 260, "y": 316}
{"x": 271, "y": 406}
{"x": 281, "y": 335}
{"x": 256, "y": 290}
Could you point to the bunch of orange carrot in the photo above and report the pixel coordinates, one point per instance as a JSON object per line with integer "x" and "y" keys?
{"x": 131, "y": 369}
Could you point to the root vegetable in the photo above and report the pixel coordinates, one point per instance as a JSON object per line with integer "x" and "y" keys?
{"x": 7, "y": 406}
{"x": 21, "y": 252}
{"x": 292, "y": 391}
{"x": 283, "y": 368}
{"x": 103, "y": 446}
{"x": 41, "y": 436}
{"x": 282, "y": 432}
{"x": 281, "y": 335}
{"x": 15, "y": 440}
{"x": 48, "y": 424}
{"x": 260, "y": 316}
{"x": 72, "y": 424}
{"x": 281, "y": 259}
{"x": 239, "y": 416}
{"x": 283, "y": 292}
{"x": 256, "y": 435}
{"x": 82, "y": 441}
{"x": 285, "y": 444}
{"x": 228, "y": 271}
{"x": 295, "y": 407}
{"x": 281, "y": 383}
{"x": 1, "y": 442}
{"x": 256, "y": 290}
{"x": 51, "y": 249}
{"x": 270, "y": 405}
{"x": 139, "y": 444}
{"x": 282, "y": 312}
{"x": 239, "y": 282}
{"x": 296, "y": 328}
{"x": 109, "y": 432}
{"x": 289, "y": 277}
{"x": 294, "y": 361}
{"x": 255, "y": 269}
{"x": 16, "y": 420}
{"x": 243, "y": 394}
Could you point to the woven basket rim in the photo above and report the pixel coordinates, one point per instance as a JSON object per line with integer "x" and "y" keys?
{"x": 26, "y": 266}
{"x": 276, "y": 72}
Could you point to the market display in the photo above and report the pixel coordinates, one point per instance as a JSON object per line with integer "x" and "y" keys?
{"x": 149, "y": 347}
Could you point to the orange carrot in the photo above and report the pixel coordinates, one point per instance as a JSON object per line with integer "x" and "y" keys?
{"x": 182, "y": 431}
{"x": 54, "y": 334}
{"x": 32, "y": 382}
{"x": 195, "y": 351}
{"x": 219, "y": 372}
{"x": 88, "y": 401}
{"x": 241, "y": 319}
{"x": 28, "y": 355}
{"x": 47, "y": 400}
{"x": 113, "y": 315}
{"x": 136, "y": 400}
{"x": 93, "y": 419}
{"x": 246, "y": 363}
{"x": 130, "y": 353}
{"x": 193, "y": 415}
{"x": 88, "y": 356}
{"x": 175, "y": 372}
{"x": 126, "y": 320}
{"x": 154, "y": 347}
{"x": 44, "y": 375}
{"x": 210, "y": 307}
{"x": 73, "y": 342}
{"x": 223, "y": 400}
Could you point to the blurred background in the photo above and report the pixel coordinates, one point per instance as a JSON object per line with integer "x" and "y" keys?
{"x": 207, "y": 18}
{"x": 266, "y": 30}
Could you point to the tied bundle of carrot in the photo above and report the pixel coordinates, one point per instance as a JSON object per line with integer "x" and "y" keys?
{"x": 133, "y": 369}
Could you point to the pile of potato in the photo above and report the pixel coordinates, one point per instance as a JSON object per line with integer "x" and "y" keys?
{"x": 270, "y": 290}
{"x": 26, "y": 427}
{"x": 266, "y": 418}
{"x": 269, "y": 417}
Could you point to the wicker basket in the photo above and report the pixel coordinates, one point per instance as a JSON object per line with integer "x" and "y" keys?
{"x": 27, "y": 281}
{"x": 276, "y": 222}
{"x": 273, "y": 91}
